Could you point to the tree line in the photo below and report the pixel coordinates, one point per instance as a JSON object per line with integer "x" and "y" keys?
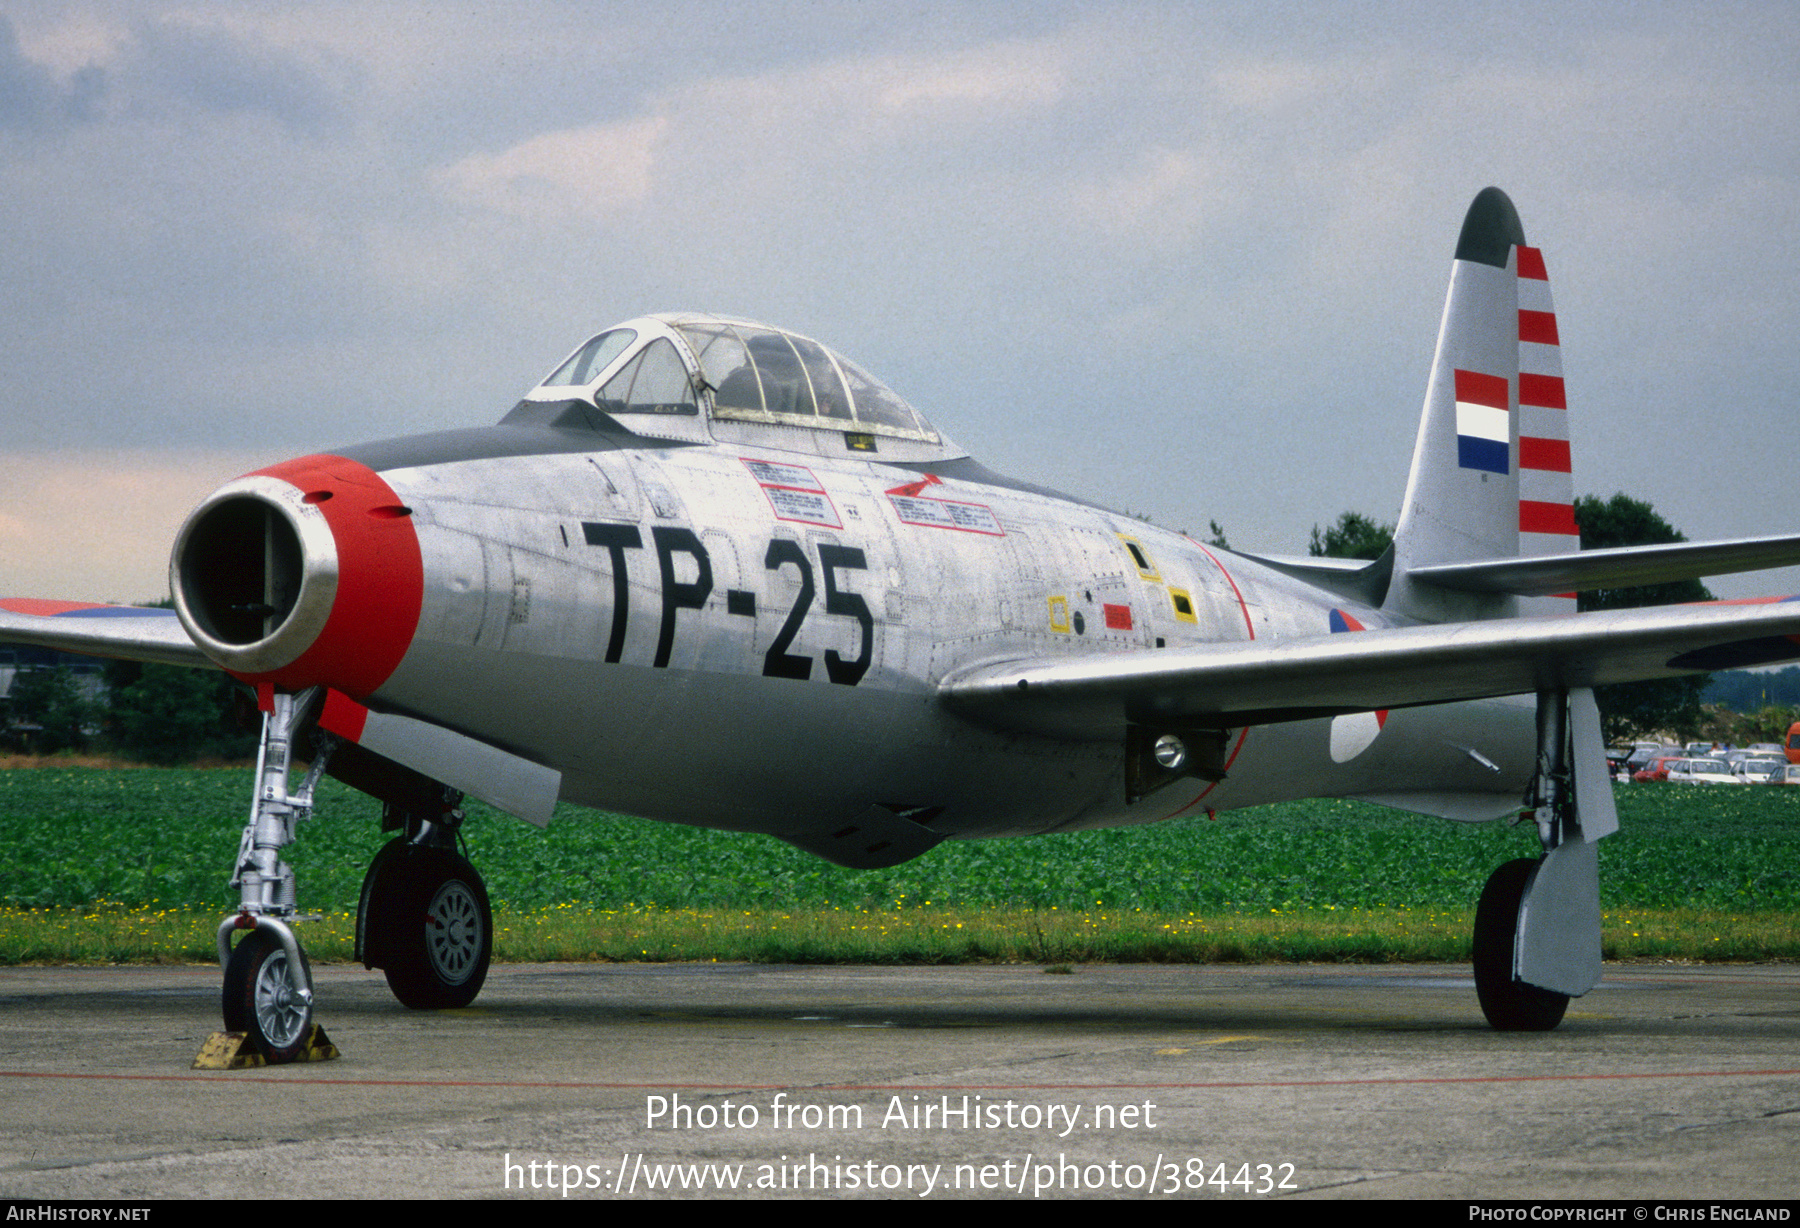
{"x": 155, "y": 713}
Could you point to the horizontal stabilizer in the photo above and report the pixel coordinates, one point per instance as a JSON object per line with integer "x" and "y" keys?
{"x": 1356, "y": 579}
{"x": 1620, "y": 567}
{"x": 1261, "y": 681}
{"x": 127, "y": 632}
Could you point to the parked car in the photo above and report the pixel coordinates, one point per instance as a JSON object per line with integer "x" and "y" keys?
{"x": 1759, "y": 769}
{"x": 1655, "y": 769}
{"x": 1701, "y": 772}
{"x": 1644, "y": 753}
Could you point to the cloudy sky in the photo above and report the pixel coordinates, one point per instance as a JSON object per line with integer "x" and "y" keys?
{"x": 1184, "y": 259}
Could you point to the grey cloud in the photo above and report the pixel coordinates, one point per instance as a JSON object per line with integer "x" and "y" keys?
{"x": 211, "y": 71}
{"x": 31, "y": 96}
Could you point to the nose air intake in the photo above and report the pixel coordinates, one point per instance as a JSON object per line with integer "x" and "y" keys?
{"x": 302, "y": 574}
{"x": 241, "y": 569}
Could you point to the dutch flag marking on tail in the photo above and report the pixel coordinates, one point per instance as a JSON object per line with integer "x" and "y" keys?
{"x": 1483, "y": 425}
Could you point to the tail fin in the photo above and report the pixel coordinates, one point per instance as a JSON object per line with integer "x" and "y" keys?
{"x": 1490, "y": 473}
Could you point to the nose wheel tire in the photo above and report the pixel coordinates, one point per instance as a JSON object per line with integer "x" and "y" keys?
{"x": 260, "y": 1000}
{"x": 437, "y": 930}
{"x": 1510, "y": 1005}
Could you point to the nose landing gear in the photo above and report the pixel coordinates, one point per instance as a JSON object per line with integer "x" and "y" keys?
{"x": 268, "y": 994}
{"x": 424, "y": 918}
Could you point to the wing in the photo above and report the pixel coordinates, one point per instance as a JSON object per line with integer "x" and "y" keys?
{"x": 129, "y": 632}
{"x": 1264, "y": 681}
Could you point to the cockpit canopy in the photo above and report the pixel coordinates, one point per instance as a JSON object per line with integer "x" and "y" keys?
{"x": 731, "y": 370}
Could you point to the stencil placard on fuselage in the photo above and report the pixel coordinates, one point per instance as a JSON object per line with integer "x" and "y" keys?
{"x": 946, "y": 514}
{"x": 794, "y": 492}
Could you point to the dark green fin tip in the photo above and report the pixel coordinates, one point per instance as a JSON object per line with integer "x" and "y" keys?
{"x": 1490, "y": 229}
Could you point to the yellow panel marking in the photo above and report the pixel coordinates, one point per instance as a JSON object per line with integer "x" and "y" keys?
{"x": 1184, "y": 605}
{"x": 1140, "y": 558}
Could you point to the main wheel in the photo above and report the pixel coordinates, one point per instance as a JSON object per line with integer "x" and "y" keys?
{"x": 439, "y": 933}
{"x": 381, "y": 890}
{"x": 1510, "y": 1005}
{"x": 260, "y": 1001}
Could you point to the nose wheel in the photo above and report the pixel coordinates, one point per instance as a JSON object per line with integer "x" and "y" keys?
{"x": 265, "y": 1000}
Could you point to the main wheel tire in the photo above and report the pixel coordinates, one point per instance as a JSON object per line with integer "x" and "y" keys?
{"x": 380, "y": 893}
{"x": 441, "y": 933}
{"x": 259, "y": 998}
{"x": 1509, "y": 1004}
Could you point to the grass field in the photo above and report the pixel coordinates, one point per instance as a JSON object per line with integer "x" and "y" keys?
{"x": 131, "y": 864}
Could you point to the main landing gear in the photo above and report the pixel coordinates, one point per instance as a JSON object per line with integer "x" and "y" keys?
{"x": 424, "y": 917}
{"x": 1537, "y": 925}
{"x": 1509, "y": 1004}
{"x": 425, "y": 921}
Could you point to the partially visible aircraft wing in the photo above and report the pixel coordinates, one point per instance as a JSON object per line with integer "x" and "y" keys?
{"x": 1259, "y": 682}
{"x": 129, "y": 632}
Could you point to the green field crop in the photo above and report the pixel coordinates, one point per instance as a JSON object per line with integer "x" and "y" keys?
{"x": 71, "y": 837}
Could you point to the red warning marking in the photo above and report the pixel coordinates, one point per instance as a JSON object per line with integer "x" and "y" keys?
{"x": 1118, "y": 617}
{"x": 1538, "y": 326}
{"x": 912, "y": 489}
{"x": 1531, "y": 264}
{"x": 343, "y": 716}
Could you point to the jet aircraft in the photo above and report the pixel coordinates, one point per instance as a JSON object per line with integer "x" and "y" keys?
{"x": 712, "y": 572}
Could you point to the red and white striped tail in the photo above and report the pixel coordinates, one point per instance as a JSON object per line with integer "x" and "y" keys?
{"x": 1546, "y": 478}
{"x": 1490, "y": 477}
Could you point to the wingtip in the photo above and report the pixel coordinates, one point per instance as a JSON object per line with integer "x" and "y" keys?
{"x": 1490, "y": 229}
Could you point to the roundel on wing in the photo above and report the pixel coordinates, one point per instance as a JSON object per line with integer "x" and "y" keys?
{"x": 1354, "y": 732}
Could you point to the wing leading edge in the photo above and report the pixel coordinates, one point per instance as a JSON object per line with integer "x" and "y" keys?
{"x": 1264, "y": 681}
{"x": 128, "y": 632}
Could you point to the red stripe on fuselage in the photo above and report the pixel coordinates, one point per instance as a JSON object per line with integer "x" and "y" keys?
{"x": 381, "y": 577}
{"x": 1249, "y": 627}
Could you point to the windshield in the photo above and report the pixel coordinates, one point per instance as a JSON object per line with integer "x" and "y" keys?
{"x": 763, "y": 374}
{"x": 591, "y": 359}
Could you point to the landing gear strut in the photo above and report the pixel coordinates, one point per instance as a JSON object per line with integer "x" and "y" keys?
{"x": 268, "y": 984}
